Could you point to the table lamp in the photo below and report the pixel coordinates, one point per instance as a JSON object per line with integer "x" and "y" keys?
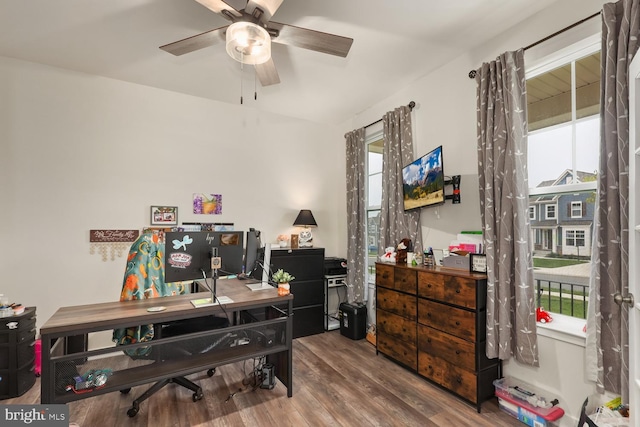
{"x": 305, "y": 219}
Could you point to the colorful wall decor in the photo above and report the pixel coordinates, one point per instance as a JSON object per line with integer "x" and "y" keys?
{"x": 164, "y": 215}
{"x": 207, "y": 204}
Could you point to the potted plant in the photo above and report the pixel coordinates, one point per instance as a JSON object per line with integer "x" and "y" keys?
{"x": 282, "y": 278}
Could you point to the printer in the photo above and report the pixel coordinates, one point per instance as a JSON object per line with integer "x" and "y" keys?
{"x": 335, "y": 266}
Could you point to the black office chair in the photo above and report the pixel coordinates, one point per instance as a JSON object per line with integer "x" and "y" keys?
{"x": 144, "y": 279}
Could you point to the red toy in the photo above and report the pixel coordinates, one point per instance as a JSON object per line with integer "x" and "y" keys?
{"x": 542, "y": 316}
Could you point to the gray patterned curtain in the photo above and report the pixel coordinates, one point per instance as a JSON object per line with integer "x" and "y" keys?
{"x": 504, "y": 201}
{"x": 356, "y": 215}
{"x": 608, "y": 323}
{"x": 395, "y": 223}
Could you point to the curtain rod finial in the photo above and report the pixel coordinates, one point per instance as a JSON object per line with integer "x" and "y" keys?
{"x": 411, "y": 105}
{"x": 472, "y": 74}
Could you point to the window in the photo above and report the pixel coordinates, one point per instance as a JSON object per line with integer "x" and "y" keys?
{"x": 563, "y": 102}
{"x": 532, "y": 213}
{"x": 550, "y": 211}
{"x": 374, "y": 201}
{"x": 576, "y": 209}
{"x": 575, "y": 238}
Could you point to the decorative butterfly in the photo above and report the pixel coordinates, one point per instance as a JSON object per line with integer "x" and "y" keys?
{"x": 186, "y": 240}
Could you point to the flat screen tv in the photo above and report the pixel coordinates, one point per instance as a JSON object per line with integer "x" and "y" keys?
{"x": 423, "y": 181}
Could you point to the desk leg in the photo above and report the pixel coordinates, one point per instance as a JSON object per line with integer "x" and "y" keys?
{"x": 46, "y": 380}
{"x": 289, "y": 355}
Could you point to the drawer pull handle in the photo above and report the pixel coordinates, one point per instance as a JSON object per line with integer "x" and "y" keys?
{"x": 428, "y": 339}
{"x": 457, "y": 291}
{"x": 457, "y": 323}
{"x": 459, "y": 380}
{"x": 428, "y": 314}
{"x": 458, "y": 352}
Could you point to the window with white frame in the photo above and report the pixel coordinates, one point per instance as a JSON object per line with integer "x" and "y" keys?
{"x": 532, "y": 213}
{"x": 563, "y": 103}
{"x": 550, "y": 211}
{"x": 576, "y": 209}
{"x": 575, "y": 238}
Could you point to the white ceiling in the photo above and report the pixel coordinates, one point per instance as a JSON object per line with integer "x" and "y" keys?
{"x": 395, "y": 43}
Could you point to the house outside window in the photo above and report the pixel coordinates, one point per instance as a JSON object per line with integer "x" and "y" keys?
{"x": 532, "y": 213}
{"x": 374, "y": 201}
{"x": 563, "y": 101}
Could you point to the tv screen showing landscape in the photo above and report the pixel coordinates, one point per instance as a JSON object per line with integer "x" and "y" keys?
{"x": 423, "y": 181}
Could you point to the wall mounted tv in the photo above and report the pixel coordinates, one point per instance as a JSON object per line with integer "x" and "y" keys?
{"x": 423, "y": 181}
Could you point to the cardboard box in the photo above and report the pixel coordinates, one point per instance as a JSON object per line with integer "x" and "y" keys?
{"x": 456, "y": 261}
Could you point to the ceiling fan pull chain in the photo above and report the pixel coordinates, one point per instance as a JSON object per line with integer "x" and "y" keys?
{"x": 255, "y": 85}
{"x": 241, "y": 71}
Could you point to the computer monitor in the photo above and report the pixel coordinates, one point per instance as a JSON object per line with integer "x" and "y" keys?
{"x": 251, "y": 251}
{"x": 188, "y": 254}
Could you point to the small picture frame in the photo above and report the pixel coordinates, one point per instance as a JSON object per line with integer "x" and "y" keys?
{"x": 294, "y": 241}
{"x": 164, "y": 215}
{"x": 478, "y": 263}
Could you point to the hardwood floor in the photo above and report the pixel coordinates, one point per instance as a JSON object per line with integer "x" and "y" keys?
{"x": 337, "y": 382}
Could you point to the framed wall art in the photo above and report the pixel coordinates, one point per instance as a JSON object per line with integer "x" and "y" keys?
{"x": 164, "y": 215}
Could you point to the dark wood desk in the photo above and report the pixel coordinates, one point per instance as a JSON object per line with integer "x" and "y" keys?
{"x": 57, "y": 358}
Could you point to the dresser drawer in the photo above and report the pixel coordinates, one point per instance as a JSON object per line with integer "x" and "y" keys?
{"x": 452, "y": 289}
{"x": 396, "y": 326}
{"x": 454, "y": 378}
{"x": 401, "y": 279}
{"x": 454, "y": 321}
{"x": 384, "y": 275}
{"x": 447, "y": 347}
{"x": 397, "y": 303}
{"x": 398, "y": 350}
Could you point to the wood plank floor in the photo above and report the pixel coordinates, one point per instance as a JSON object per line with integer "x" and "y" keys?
{"x": 337, "y": 382}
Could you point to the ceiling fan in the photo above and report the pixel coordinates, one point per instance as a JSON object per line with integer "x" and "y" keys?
{"x": 248, "y": 38}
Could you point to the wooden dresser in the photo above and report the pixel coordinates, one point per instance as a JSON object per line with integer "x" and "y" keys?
{"x": 432, "y": 321}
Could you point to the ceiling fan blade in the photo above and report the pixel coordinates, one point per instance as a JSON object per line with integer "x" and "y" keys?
{"x": 197, "y": 42}
{"x": 267, "y": 73}
{"x": 218, "y": 6}
{"x": 311, "y": 39}
{"x": 268, "y": 7}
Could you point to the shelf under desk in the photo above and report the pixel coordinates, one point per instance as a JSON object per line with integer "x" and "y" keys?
{"x": 129, "y": 371}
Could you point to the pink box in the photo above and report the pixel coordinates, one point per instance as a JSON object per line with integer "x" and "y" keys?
{"x": 38, "y": 362}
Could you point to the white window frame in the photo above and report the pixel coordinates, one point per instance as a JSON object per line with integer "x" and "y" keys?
{"x": 541, "y": 59}
{"x": 576, "y": 206}
{"x": 532, "y": 213}
{"x": 547, "y": 209}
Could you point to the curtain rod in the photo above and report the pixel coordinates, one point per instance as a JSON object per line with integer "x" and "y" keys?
{"x": 472, "y": 73}
{"x": 410, "y": 105}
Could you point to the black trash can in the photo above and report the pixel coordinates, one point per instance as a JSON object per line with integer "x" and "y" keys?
{"x": 353, "y": 320}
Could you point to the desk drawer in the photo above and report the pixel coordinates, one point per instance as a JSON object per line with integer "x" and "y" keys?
{"x": 397, "y": 303}
{"x": 454, "y": 378}
{"x": 455, "y": 321}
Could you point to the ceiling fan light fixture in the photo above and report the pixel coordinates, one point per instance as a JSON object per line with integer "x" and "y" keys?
{"x": 248, "y": 43}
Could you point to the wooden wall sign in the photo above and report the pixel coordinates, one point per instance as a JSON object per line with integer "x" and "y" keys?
{"x": 108, "y": 236}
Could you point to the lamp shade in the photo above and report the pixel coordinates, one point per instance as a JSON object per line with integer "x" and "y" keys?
{"x": 305, "y": 219}
{"x": 248, "y": 43}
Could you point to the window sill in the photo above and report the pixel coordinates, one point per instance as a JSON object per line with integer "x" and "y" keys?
{"x": 564, "y": 328}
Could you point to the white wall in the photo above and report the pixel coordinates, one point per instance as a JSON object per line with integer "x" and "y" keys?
{"x": 446, "y": 114}
{"x": 80, "y": 152}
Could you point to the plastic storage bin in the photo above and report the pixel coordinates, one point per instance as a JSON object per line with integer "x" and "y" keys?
{"x": 526, "y": 403}
{"x": 353, "y": 320}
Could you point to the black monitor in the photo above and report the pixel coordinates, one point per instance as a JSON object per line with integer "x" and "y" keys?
{"x": 188, "y": 254}
{"x": 251, "y": 251}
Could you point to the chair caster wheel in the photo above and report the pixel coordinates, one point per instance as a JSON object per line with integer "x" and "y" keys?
{"x": 132, "y": 411}
{"x": 125, "y": 390}
{"x": 211, "y": 371}
{"x": 197, "y": 395}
